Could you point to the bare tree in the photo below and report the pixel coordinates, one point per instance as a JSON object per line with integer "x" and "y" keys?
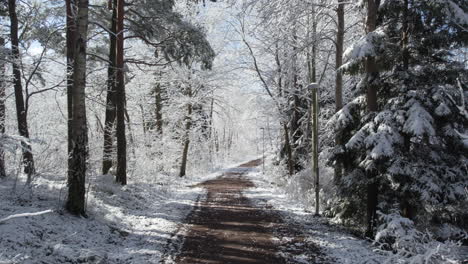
{"x": 28, "y": 159}
{"x": 70, "y": 35}
{"x": 120, "y": 100}
{"x": 2, "y": 104}
{"x": 111, "y": 93}
{"x": 186, "y": 137}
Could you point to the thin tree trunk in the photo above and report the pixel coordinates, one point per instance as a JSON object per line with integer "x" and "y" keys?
{"x": 188, "y": 125}
{"x": 158, "y": 108}
{"x": 405, "y": 35}
{"x": 71, "y": 28}
{"x": 372, "y": 76}
{"x": 2, "y": 105}
{"x": 79, "y": 153}
{"x": 111, "y": 95}
{"x": 288, "y": 149}
{"x": 294, "y": 129}
{"x": 28, "y": 160}
{"x": 121, "y": 139}
{"x": 339, "y": 79}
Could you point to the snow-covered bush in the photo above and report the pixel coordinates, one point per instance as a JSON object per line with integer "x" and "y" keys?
{"x": 399, "y": 234}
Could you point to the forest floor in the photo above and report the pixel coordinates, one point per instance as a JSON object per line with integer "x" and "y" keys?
{"x": 236, "y": 215}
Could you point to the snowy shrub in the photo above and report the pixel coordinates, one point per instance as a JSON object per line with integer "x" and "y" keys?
{"x": 399, "y": 234}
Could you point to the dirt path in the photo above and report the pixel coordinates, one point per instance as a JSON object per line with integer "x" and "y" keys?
{"x": 228, "y": 228}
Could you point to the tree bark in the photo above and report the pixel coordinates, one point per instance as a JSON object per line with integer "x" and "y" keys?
{"x": 158, "y": 108}
{"x": 405, "y": 35}
{"x": 121, "y": 138}
{"x": 2, "y": 104}
{"x": 339, "y": 80}
{"x": 111, "y": 95}
{"x": 28, "y": 160}
{"x": 79, "y": 154}
{"x": 188, "y": 126}
{"x": 372, "y": 76}
{"x": 70, "y": 35}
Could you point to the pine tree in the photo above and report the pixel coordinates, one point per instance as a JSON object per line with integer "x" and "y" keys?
{"x": 410, "y": 137}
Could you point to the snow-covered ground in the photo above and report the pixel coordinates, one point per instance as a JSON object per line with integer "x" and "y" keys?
{"x": 336, "y": 244}
{"x": 139, "y": 223}
{"x": 338, "y": 247}
{"x": 130, "y": 224}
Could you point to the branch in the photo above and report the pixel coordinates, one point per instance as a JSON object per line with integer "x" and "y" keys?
{"x": 24, "y": 215}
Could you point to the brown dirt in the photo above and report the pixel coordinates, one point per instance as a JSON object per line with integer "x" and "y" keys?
{"x": 228, "y": 228}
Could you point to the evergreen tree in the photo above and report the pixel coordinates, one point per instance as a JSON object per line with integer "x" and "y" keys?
{"x": 414, "y": 141}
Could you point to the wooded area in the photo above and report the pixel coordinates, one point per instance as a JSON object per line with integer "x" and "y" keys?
{"x": 136, "y": 89}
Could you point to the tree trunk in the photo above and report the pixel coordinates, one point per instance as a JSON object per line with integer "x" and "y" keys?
{"x": 158, "y": 108}
{"x": 70, "y": 35}
{"x": 288, "y": 149}
{"x": 405, "y": 35}
{"x": 121, "y": 139}
{"x": 28, "y": 160}
{"x": 339, "y": 80}
{"x": 188, "y": 126}
{"x": 2, "y": 104}
{"x": 372, "y": 76}
{"x": 111, "y": 95}
{"x": 79, "y": 153}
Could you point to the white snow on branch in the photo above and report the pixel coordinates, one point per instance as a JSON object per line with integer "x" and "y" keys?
{"x": 24, "y": 215}
{"x": 454, "y": 12}
{"x": 365, "y": 47}
{"x": 419, "y": 121}
{"x": 463, "y": 138}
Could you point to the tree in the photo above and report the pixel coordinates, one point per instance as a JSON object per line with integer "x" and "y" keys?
{"x": 70, "y": 54}
{"x": 28, "y": 159}
{"x": 186, "y": 135}
{"x": 340, "y": 31}
{"x": 79, "y": 154}
{"x": 406, "y": 140}
{"x": 2, "y": 104}
{"x": 372, "y": 82}
{"x": 121, "y": 176}
{"x": 111, "y": 94}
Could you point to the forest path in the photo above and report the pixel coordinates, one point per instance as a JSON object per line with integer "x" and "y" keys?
{"x": 228, "y": 227}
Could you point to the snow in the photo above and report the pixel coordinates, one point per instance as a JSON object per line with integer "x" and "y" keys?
{"x": 338, "y": 246}
{"x": 454, "y": 12}
{"x": 419, "y": 121}
{"x": 367, "y": 46}
{"x": 24, "y": 215}
{"x": 131, "y": 224}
